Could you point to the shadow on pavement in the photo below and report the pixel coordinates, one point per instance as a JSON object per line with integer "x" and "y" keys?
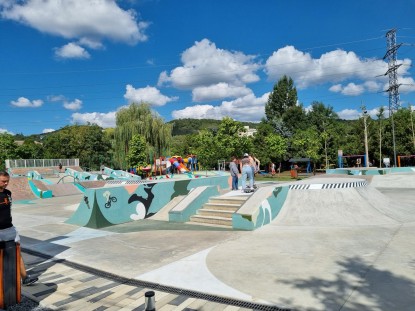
{"x": 366, "y": 287}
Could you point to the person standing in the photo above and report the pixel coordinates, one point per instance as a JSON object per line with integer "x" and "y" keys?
{"x": 246, "y": 170}
{"x": 234, "y": 173}
{"x": 7, "y": 231}
{"x": 254, "y": 163}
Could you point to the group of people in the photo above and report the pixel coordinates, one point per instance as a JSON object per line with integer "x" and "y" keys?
{"x": 248, "y": 167}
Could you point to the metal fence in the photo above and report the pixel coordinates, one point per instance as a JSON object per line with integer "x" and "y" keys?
{"x": 41, "y": 163}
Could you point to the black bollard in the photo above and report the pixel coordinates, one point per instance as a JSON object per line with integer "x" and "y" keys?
{"x": 150, "y": 301}
{"x": 10, "y": 286}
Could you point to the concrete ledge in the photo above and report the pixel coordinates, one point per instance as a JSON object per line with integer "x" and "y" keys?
{"x": 43, "y": 194}
{"x": 261, "y": 208}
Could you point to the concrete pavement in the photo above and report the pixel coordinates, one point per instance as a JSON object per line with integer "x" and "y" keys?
{"x": 328, "y": 249}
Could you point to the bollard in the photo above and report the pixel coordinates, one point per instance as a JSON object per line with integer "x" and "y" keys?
{"x": 10, "y": 286}
{"x": 150, "y": 301}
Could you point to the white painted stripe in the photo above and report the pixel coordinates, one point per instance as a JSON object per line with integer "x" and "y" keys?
{"x": 329, "y": 186}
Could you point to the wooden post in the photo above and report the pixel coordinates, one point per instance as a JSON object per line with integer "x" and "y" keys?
{"x": 10, "y": 283}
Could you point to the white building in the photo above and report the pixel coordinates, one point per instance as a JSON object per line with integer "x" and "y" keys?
{"x": 248, "y": 131}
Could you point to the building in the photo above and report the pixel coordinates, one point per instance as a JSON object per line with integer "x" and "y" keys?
{"x": 248, "y": 131}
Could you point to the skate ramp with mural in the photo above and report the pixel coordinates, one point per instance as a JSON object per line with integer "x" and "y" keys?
{"x": 134, "y": 200}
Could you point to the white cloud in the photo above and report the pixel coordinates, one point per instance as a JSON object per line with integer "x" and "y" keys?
{"x": 101, "y": 119}
{"x": 73, "y": 105}
{"x": 219, "y": 91}
{"x": 337, "y": 88}
{"x": 334, "y": 66}
{"x": 204, "y": 65}
{"x": 148, "y": 94}
{"x": 24, "y": 102}
{"x": 4, "y": 131}
{"x": 373, "y": 86}
{"x": 352, "y": 89}
{"x": 407, "y": 84}
{"x": 353, "y": 114}
{"x": 349, "y": 114}
{"x": 89, "y": 21}
{"x": 246, "y": 108}
{"x": 72, "y": 50}
{"x": 92, "y": 44}
{"x": 48, "y": 131}
{"x": 56, "y": 98}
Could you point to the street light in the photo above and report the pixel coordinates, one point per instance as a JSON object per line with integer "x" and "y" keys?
{"x": 365, "y": 115}
{"x": 412, "y": 125}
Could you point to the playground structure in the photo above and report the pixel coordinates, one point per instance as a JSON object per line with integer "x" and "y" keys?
{"x": 358, "y": 162}
{"x": 178, "y": 163}
{"x": 167, "y": 165}
{"x": 406, "y": 160}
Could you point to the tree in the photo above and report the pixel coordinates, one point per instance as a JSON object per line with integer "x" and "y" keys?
{"x": 283, "y": 96}
{"x": 277, "y": 146}
{"x": 266, "y": 150}
{"x": 7, "y": 148}
{"x": 295, "y": 118}
{"x": 93, "y": 148}
{"x": 350, "y": 139}
{"x": 205, "y": 148}
{"x": 30, "y": 150}
{"x": 324, "y": 120}
{"x": 381, "y": 117}
{"x": 229, "y": 141}
{"x": 86, "y": 142}
{"x": 211, "y": 146}
{"x": 138, "y": 154}
{"x": 139, "y": 119}
{"x": 181, "y": 145}
{"x": 306, "y": 143}
{"x": 403, "y": 132}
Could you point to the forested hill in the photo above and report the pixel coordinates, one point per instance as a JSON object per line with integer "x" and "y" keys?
{"x": 192, "y": 126}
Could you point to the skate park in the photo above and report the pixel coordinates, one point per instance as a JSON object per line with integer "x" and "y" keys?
{"x": 336, "y": 241}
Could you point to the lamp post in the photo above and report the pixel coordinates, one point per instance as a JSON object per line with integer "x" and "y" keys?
{"x": 412, "y": 125}
{"x": 365, "y": 115}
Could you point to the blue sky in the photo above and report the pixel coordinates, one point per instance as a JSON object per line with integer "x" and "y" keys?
{"x": 66, "y": 62}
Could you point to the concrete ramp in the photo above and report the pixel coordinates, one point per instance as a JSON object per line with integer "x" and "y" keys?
{"x": 19, "y": 186}
{"x": 398, "y": 181}
{"x": 401, "y": 211}
{"x": 93, "y": 184}
{"x": 341, "y": 204}
{"x": 59, "y": 190}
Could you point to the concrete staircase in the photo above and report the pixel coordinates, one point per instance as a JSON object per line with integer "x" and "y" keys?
{"x": 218, "y": 211}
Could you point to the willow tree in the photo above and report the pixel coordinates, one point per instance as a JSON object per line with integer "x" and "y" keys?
{"x": 138, "y": 119}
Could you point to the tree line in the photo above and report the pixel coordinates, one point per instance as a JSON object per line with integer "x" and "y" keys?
{"x": 287, "y": 131}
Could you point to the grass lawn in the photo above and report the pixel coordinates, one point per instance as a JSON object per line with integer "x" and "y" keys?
{"x": 283, "y": 176}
